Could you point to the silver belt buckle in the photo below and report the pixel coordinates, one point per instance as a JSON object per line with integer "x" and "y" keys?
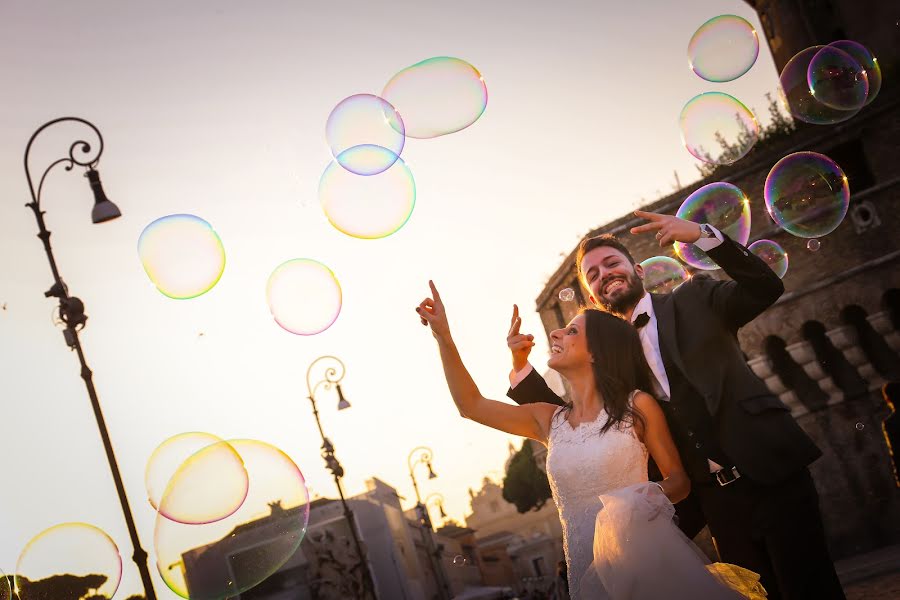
{"x": 721, "y": 479}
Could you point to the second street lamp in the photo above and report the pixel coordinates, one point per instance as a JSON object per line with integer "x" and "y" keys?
{"x": 422, "y": 455}
{"x": 333, "y": 377}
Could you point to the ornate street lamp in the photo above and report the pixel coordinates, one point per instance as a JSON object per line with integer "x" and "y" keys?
{"x": 422, "y": 455}
{"x": 332, "y": 377}
{"x": 439, "y": 502}
{"x": 71, "y": 309}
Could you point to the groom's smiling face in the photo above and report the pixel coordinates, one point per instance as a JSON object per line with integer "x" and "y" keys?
{"x": 614, "y": 283}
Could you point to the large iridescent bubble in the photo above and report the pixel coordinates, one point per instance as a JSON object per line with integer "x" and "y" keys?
{"x": 195, "y": 478}
{"x": 722, "y": 205}
{"x": 807, "y": 194}
{"x": 182, "y": 255}
{"x": 79, "y": 552}
{"x": 800, "y": 100}
{"x": 304, "y": 296}
{"x": 663, "y": 274}
{"x": 723, "y": 48}
{"x": 228, "y": 557}
{"x": 368, "y": 207}
{"x": 863, "y": 56}
{"x": 772, "y": 254}
{"x": 437, "y": 96}
{"x": 717, "y": 129}
{"x": 368, "y": 124}
{"x": 837, "y": 80}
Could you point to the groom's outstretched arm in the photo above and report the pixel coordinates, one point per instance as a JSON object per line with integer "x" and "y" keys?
{"x": 526, "y": 386}
{"x": 532, "y": 389}
{"x": 753, "y": 288}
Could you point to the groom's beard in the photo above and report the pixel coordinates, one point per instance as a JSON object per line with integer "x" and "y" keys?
{"x": 625, "y": 298}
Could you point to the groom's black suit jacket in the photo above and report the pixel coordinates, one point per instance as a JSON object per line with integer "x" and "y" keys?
{"x": 714, "y": 391}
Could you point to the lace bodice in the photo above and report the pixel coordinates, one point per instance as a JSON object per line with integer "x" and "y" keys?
{"x": 582, "y": 464}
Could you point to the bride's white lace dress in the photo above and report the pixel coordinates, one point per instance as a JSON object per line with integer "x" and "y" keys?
{"x": 631, "y": 550}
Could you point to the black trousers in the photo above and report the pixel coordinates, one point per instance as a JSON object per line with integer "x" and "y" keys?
{"x": 774, "y": 530}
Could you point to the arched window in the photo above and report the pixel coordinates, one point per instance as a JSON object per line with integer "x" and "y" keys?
{"x": 833, "y": 361}
{"x": 793, "y": 376}
{"x": 882, "y": 357}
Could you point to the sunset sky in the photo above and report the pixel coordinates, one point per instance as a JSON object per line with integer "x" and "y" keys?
{"x": 218, "y": 109}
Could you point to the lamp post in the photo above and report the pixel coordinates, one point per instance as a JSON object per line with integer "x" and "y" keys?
{"x": 71, "y": 309}
{"x": 422, "y": 455}
{"x": 439, "y": 501}
{"x": 332, "y": 377}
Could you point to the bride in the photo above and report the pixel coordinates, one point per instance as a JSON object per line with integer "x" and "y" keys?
{"x": 618, "y": 535}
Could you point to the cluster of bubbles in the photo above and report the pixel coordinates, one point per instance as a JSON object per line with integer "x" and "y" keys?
{"x": 662, "y": 274}
{"x": 184, "y": 258}
{"x": 368, "y": 190}
{"x": 722, "y": 205}
{"x": 64, "y": 556}
{"x": 828, "y": 84}
{"x": 716, "y": 127}
{"x": 207, "y": 491}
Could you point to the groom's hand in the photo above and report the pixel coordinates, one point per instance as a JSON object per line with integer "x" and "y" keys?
{"x": 668, "y": 228}
{"x": 519, "y": 344}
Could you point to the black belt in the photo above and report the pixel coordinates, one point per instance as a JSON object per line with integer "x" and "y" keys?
{"x": 726, "y": 476}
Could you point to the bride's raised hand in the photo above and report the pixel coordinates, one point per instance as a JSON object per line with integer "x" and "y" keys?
{"x": 431, "y": 312}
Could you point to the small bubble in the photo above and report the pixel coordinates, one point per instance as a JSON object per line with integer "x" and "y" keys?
{"x": 567, "y": 295}
{"x": 860, "y": 426}
{"x": 459, "y": 560}
{"x": 813, "y": 245}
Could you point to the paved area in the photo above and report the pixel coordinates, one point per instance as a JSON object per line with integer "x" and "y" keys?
{"x": 872, "y": 576}
{"x": 883, "y": 587}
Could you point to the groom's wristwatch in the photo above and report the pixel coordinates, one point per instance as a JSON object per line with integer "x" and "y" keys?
{"x": 706, "y": 231}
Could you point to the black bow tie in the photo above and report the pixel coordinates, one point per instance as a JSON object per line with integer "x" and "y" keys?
{"x": 642, "y": 319}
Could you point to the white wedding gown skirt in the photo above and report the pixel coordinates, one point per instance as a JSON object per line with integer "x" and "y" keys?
{"x": 618, "y": 535}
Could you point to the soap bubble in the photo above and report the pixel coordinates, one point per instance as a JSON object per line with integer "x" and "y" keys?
{"x": 717, "y": 128}
{"x": 813, "y": 245}
{"x": 182, "y": 255}
{"x": 437, "y": 96}
{"x": 369, "y": 124}
{"x": 837, "y": 80}
{"x": 663, "y": 274}
{"x": 799, "y": 99}
{"x": 723, "y": 48}
{"x": 807, "y": 194}
{"x": 81, "y": 552}
{"x": 722, "y": 205}
{"x": 867, "y": 60}
{"x": 567, "y": 295}
{"x": 304, "y": 296}
{"x": 772, "y": 254}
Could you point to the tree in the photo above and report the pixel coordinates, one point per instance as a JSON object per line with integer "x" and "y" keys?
{"x": 525, "y": 485}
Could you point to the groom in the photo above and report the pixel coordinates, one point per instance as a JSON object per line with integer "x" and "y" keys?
{"x": 745, "y": 454}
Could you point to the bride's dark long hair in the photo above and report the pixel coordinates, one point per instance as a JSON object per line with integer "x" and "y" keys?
{"x": 619, "y": 365}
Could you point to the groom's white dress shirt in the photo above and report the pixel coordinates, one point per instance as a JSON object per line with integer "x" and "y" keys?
{"x": 649, "y": 335}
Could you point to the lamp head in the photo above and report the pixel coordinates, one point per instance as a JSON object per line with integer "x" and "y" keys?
{"x": 431, "y": 473}
{"x": 342, "y": 402}
{"x": 104, "y": 209}
{"x": 441, "y": 509}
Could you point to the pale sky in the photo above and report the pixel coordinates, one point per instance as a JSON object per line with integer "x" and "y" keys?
{"x": 218, "y": 109}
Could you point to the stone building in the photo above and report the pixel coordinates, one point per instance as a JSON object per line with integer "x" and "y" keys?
{"x": 515, "y": 549}
{"x": 833, "y": 339}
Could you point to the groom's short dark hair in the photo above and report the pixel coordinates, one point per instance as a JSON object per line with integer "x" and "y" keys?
{"x": 600, "y": 241}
